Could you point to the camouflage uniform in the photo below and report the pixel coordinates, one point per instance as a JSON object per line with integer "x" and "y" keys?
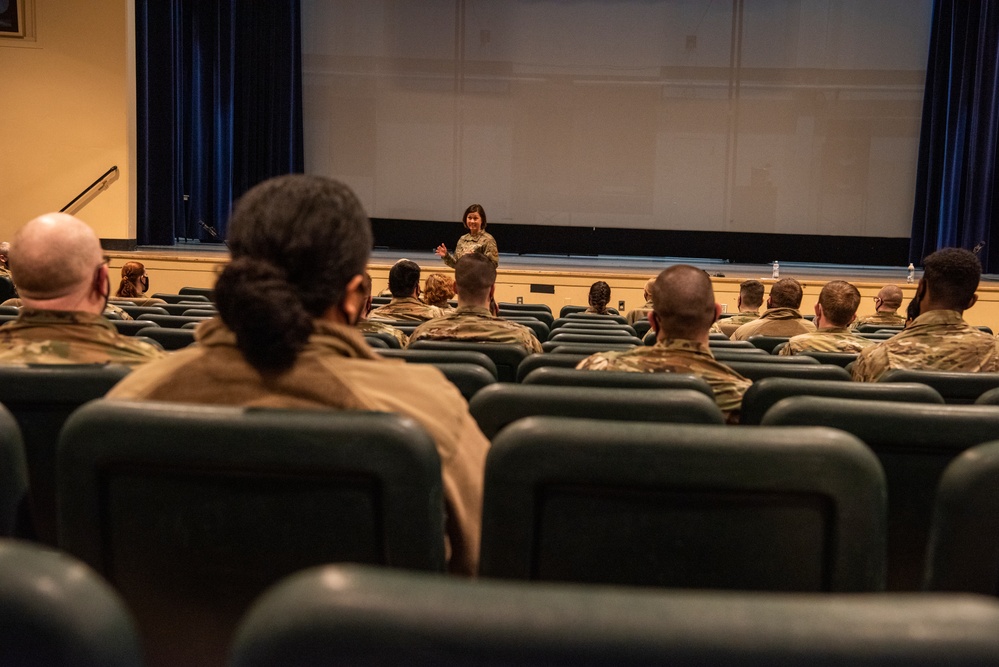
{"x": 678, "y": 356}
{"x": 775, "y": 322}
{"x": 475, "y": 324}
{"x": 371, "y": 326}
{"x": 640, "y": 314}
{"x": 69, "y": 337}
{"x": 484, "y": 243}
{"x": 831, "y": 339}
{"x": 406, "y": 309}
{"x": 728, "y": 325}
{"x": 109, "y": 308}
{"x": 938, "y": 340}
{"x": 891, "y": 319}
{"x": 336, "y": 369}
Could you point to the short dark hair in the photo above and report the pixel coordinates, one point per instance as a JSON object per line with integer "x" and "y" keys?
{"x": 599, "y": 295}
{"x": 474, "y": 274}
{"x": 952, "y": 274}
{"x": 751, "y": 293}
{"x": 404, "y": 276}
{"x": 785, "y": 293}
{"x": 476, "y": 208}
{"x": 684, "y": 301}
{"x": 296, "y": 243}
{"x": 839, "y": 300}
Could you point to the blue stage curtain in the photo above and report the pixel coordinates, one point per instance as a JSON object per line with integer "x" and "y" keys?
{"x": 219, "y": 109}
{"x": 955, "y": 203}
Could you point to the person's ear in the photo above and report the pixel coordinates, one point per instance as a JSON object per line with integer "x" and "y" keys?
{"x": 718, "y": 311}
{"x": 102, "y": 282}
{"x": 492, "y": 292}
{"x": 972, "y": 301}
{"x": 653, "y": 321}
{"x": 770, "y": 302}
{"x": 353, "y": 301}
{"x": 738, "y": 303}
{"x": 817, "y": 310}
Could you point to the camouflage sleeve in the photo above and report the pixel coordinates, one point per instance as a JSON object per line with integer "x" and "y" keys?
{"x": 596, "y": 362}
{"x": 787, "y": 350}
{"x": 449, "y": 259}
{"x": 491, "y": 250}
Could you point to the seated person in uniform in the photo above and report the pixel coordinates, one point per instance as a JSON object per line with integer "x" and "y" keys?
{"x": 886, "y": 305}
{"x": 405, "y": 306}
{"x": 836, "y": 309}
{"x": 438, "y": 290}
{"x": 684, "y": 311}
{"x": 598, "y": 298}
{"x": 285, "y": 337}
{"x": 374, "y": 326}
{"x": 62, "y": 276}
{"x": 134, "y": 285}
{"x": 641, "y": 314}
{"x": 749, "y": 302}
{"x": 475, "y": 280}
{"x": 5, "y": 259}
{"x": 781, "y": 318}
{"x": 938, "y": 338}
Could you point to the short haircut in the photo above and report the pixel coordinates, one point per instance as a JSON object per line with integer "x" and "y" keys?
{"x": 404, "y": 276}
{"x": 952, "y": 275}
{"x": 751, "y": 293}
{"x": 785, "y": 293}
{"x": 648, "y": 288}
{"x": 891, "y": 296}
{"x": 600, "y": 294}
{"x": 53, "y": 255}
{"x": 366, "y": 286}
{"x": 474, "y": 274}
{"x": 839, "y": 300}
{"x": 438, "y": 288}
{"x": 684, "y": 301}
{"x": 476, "y": 208}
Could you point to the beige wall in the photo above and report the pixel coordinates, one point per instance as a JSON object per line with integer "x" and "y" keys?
{"x": 66, "y": 104}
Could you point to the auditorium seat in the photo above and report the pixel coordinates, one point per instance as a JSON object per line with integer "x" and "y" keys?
{"x": 506, "y": 357}
{"x": 990, "y": 397}
{"x": 56, "y": 611}
{"x": 843, "y": 359}
{"x": 768, "y": 343}
{"x": 192, "y": 511}
{"x": 756, "y": 370}
{"x": 536, "y": 360}
{"x": 199, "y": 312}
{"x": 135, "y": 311}
{"x": 955, "y": 387}
{"x": 595, "y": 322}
{"x": 207, "y": 292}
{"x": 468, "y": 378}
{"x": 642, "y": 327}
{"x": 388, "y": 340}
{"x": 525, "y": 306}
{"x": 570, "y": 377}
{"x": 566, "y": 311}
{"x": 375, "y": 341}
{"x": 733, "y": 345}
{"x": 179, "y": 298}
{"x": 170, "y": 321}
{"x": 181, "y": 308}
{"x": 561, "y": 347}
{"x": 873, "y": 328}
{"x": 9, "y": 310}
{"x": 41, "y": 398}
{"x": 914, "y": 442}
{"x": 541, "y": 315}
{"x": 963, "y": 551}
{"x": 132, "y": 327}
{"x": 500, "y": 405}
{"x": 13, "y": 475}
{"x": 539, "y": 328}
{"x": 436, "y": 357}
{"x": 688, "y": 506}
{"x": 339, "y": 615}
{"x": 598, "y": 338}
{"x": 613, "y": 332}
{"x": 765, "y": 392}
{"x": 593, "y": 317}
{"x": 169, "y": 338}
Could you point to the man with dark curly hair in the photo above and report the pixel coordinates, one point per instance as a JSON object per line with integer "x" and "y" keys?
{"x": 938, "y": 338}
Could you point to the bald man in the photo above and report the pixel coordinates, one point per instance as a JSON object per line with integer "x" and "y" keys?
{"x": 886, "y": 303}
{"x": 62, "y": 277}
{"x": 683, "y": 310}
{"x": 642, "y": 314}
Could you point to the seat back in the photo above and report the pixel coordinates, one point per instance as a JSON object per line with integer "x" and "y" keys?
{"x": 373, "y": 616}
{"x": 468, "y": 378}
{"x": 570, "y": 377}
{"x": 843, "y": 359}
{"x": 613, "y": 317}
{"x": 13, "y": 475}
{"x": 540, "y": 315}
{"x": 757, "y": 370}
{"x": 56, "y": 611}
{"x": 598, "y": 338}
{"x": 132, "y": 327}
{"x": 765, "y": 392}
{"x": 438, "y": 357}
{"x": 178, "y": 298}
{"x": 192, "y": 511}
{"x": 135, "y": 311}
{"x": 914, "y": 442}
{"x": 525, "y": 306}
{"x": 388, "y": 340}
{"x": 539, "y": 328}
{"x": 963, "y": 550}
{"x": 506, "y": 357}
{"x": 955, "y": 387}
{"x": 768, "y": 343}
{"x": 687, "y": 506}
{"x": 873, "y": 328}
{"x": 612, "y": 332}
{"x": 169, "y": 338}
{"x": 536, "y": 360}
{"x": 41, "y": 398}
{"x": 566, "y": 311}
{"x": 497, "y": 406}
{"x": 207, "y": 292}
{"x": 594, "y": 322}
{"x": 7, "y": 290}
{"x": 169, "y": 321}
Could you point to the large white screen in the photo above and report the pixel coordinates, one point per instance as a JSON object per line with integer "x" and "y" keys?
{"x": 772, "y": 116}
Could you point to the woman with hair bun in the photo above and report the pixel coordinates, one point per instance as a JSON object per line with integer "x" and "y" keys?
{"x": 476, "y": 240}
{"x": 134, "y": 285}
{"x": 285, "y": 338}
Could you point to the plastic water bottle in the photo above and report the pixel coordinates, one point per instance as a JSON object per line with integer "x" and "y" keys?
{"x": 912, "y": 274}
{"x": 776, "y": 273}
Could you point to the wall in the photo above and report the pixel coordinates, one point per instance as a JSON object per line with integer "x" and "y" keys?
{"x": 68, "y": 92}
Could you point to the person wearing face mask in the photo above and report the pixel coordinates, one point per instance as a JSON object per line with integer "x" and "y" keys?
{"x": 285, "y": 337}
{"x": 63, "y": 281}
{"x": 134, "y": 285}
{"x": 476, "y": 240}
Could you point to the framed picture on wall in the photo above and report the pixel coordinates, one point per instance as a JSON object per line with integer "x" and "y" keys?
{"x": 11, "y": 18}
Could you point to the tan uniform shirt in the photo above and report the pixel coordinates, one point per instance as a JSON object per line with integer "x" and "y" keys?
{"x": 484, "y": 243}
{"x": 892, "y": 319}
{"x": 830, "y": 339}
{"x": 640, "y": 314}
{"x": 406, "y": 309}
{"x": 475, "y": 324}
{"x": 938, "y": 340}
{"x": 336, "y": 369}
{"x": 678, "y": 356}
{"x": 372, "y": 326}
{"x": 775, "y": 322}
{"x": 69, "y": 337}
{"x": 728, "y": 325}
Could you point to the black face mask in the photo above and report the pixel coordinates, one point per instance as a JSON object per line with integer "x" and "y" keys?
{"x": 144, "y": 281}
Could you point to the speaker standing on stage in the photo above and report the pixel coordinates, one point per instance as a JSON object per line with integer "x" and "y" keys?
{"x": 476, "y": 240}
